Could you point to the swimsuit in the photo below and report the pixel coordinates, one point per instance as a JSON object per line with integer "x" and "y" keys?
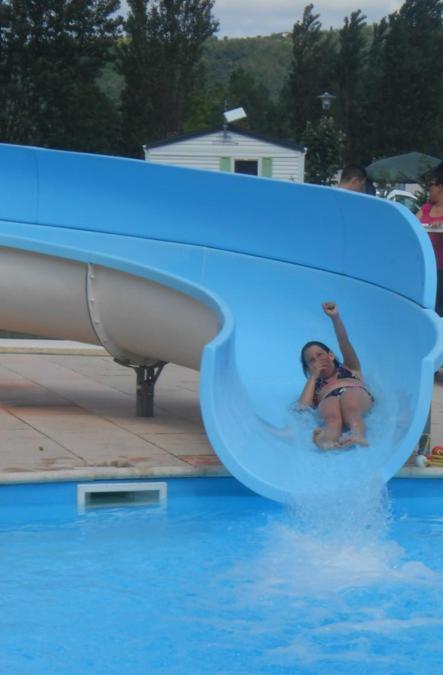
{"x": 342, "y": 373}
{"x": 435, "y": 237}
{"x": 341, "y": 390}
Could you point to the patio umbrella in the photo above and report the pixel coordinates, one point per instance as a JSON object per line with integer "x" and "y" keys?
{"x": 407, "y": 168}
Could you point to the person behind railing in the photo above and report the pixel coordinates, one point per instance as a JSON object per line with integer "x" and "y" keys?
{"x": 431, "y": 216}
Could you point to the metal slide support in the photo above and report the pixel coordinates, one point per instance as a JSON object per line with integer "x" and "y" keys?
{"x": 147, "y": 376}
{"x": 424, "y": 444}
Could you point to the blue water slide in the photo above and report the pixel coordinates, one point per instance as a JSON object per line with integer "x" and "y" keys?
{"x": 239, "y": 267}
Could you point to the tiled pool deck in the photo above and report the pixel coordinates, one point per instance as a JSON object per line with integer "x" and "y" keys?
{"x": 67, "y": 412}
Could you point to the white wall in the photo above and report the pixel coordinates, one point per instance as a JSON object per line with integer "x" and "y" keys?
{"x": 205, "y": 152}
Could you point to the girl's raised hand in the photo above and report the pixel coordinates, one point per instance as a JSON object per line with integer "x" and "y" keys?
{"x": 330, "y": 308}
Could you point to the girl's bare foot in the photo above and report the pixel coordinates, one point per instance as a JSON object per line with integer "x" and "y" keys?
{"x": 353, "y": 439}
{"x": 322, "y": 440}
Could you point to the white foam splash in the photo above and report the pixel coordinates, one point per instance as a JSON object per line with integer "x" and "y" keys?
{"x": 331, "y": 585}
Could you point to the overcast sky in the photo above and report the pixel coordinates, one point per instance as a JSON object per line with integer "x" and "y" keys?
{"x": 241, "y": 18}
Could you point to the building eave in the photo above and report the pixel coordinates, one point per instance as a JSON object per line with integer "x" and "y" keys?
{"x": 287, "y": 144}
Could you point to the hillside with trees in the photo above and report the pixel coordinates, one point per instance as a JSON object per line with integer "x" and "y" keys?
{"x": 267, "y": 58}
{"x": 81, "y": 76}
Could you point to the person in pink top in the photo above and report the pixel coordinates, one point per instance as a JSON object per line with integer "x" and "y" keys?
{"x": 431, "y": 215}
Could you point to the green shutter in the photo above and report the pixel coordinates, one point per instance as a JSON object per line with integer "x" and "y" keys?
{"x": 225, "y": 163}
{"x": 266, "y": 167}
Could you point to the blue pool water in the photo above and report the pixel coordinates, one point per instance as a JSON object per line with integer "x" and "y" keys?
{"x": 223, "y": 581}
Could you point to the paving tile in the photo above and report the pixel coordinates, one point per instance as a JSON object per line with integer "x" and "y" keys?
{"x": 160, "y": 424}
{"x": 149, "y": 463}
{"x": 68, "y": 418}
{"x": 182, "y": 444}
{"x": 201, "y": 460}
{"x": 9, "y": 422}
{"x": 109, "y": 444}
{"x": 69, "y": 413}
{"x": 22, "y": 435}
{"x": 35, "y": 453}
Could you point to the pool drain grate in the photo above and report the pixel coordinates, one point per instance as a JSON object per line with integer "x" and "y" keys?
{"x": 107, "y": 495}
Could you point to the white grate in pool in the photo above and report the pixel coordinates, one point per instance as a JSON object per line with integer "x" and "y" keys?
{"x": 133, "y": 493}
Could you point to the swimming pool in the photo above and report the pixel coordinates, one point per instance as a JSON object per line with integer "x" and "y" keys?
{"x": 223, "y": 581}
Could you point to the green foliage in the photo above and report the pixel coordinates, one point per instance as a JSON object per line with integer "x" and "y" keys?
{"x": 410, "y": 93}
{"x": 69, "y": 79}
{"x": 326, "y": 146}
{"x": 389, "y": 87}
{"x": 245, "y": 90}
{"x": 372, "y": 128}
{"x": 312, "y": 63}
{"x": 267, "y": 59}
{"x": 51, "y": 53}
{"x": 206, "y": 111}
{"x": 135, "y": 66}
{"x": 350, "y": 83}
{"x": 264, "y": 63}
{"x": 160, "y": 65}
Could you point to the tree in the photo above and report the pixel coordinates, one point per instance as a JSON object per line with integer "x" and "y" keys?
{"x": 311, "y": 70}
{"x": 267, "y": 58}
{"x": 243, "y": 89}
{"x": 326, "y": 146}
{"x": 160, "y": 65}
{"x": 372, "y": 124}
{"x": 350, "y": 65}
{"x": 206, "y": 109}
{"x": 246, "y": 91}
{"x": 51, "y": 54}
{"x": 16, "y": 123}
{"x": 410, "y": 98}
{"x": 135, "y": 67}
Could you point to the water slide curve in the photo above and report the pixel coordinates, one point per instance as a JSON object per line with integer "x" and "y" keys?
{"x": 226, "y": 274}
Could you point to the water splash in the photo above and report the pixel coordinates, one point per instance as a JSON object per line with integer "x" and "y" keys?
{"x": 336, "y": 541}
{"x": 331, "y": 585}
{"x": 315, "y": 471}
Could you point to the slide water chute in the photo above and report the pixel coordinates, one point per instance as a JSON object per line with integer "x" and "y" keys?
{"x": 226, "y": 274}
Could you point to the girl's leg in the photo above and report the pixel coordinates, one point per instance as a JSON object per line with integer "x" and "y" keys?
{"x": 354, "y": 404}
{"x": 326, "y": 437}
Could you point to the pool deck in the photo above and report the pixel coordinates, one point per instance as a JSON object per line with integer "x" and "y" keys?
{"x": 67, "y": 412}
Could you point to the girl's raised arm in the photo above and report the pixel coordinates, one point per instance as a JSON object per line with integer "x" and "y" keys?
{"x": 350, "y": 358}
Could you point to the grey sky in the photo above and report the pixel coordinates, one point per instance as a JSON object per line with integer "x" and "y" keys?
{"x": 241, "y": 18}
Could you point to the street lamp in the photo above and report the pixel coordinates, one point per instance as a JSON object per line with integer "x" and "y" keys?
{"x": 326, "y": 99}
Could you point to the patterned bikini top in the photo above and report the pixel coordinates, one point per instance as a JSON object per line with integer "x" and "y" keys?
{"x": 342, "y": 373}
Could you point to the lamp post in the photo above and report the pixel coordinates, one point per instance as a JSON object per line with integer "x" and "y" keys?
{"x": 326, "y": 100}
{"x": 325, "y": 143}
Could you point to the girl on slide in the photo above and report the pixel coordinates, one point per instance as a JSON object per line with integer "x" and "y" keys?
{"x": 336, "y": 390}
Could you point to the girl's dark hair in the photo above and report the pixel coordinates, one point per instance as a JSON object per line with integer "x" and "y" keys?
{"x": 437, "y": 174}
{"x": 314, "y": 343}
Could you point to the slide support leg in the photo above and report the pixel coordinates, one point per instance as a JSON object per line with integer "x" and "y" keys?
{"x": 147, "y": 376}
{"x": 424, "y": 444}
